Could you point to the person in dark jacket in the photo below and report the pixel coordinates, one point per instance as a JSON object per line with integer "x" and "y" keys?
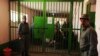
{"x": 58, "y": 39}
{"x": 23, "y": 32}
{"x": 65, "y": 32}
{"x": 88, "y": 40}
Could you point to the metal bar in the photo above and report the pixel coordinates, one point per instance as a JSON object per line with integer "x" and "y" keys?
{"x": 44, "y": 16}
{"x": 65, "y": 16}
{"x": 25, "y": 8}
{"x": 78, "y": 15}
{"x": 36, "y": 50}
{"x": 73, "y": 16}
{"x": 18, "y": 11}
{"x": 75, "y": 13}
{"x": 55, "y": 20}
{"x": 47, "y": 6}
{"x": 67, "y": 21}
{"x": 40, "y": 5}
{"x": 14, "y": 20}
{"x": 81, "y": 11}
{"x": 51, "y": 0}
{"x": 77, "y": 21}
{"x": 53, "y": 17}
{"x": 62, "y": 17}
{"x": 70, "y": 31}
{"x": 11, "y": 18}
{"x": 31, "y": 27}
{"x": 21, "y": 10}
{"x": 9, "y": 22}
{"x": 39, "y": 8}
{"x": 34, "y": 18}
{"x": 59, "y": 22}
{"x": 82, "y": 7}
{"x": 37, "y": 3}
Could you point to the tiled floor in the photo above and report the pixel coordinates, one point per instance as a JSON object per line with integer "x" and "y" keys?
{"x": 49, "y": 54}
{"x": 37, "y": 51}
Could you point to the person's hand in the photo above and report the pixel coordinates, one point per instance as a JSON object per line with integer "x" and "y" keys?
{"x": 19, "y": 37}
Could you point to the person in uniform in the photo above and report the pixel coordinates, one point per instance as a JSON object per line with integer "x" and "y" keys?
{"x": 88, "y": 40}
{"x": 23, "y": 32}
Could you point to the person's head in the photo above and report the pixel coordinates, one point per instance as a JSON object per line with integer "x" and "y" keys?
{"x": 85, "y": 20}
{"x": 24, "y": 18}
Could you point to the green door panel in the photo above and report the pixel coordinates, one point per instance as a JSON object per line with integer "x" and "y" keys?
{"x": 50, "y": 29}
{"x": 92, "y": 18}
{"x": 39, "y": 24}
{"x": 41, "y": 28}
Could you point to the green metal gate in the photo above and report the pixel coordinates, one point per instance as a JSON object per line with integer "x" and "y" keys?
{"x": 42, "y": 16}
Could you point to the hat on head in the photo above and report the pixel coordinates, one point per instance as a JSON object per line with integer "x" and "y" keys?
{"x": 85, "y": 17}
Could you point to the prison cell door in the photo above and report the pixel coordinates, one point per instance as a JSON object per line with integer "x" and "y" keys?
{"x": 43, "y": 15}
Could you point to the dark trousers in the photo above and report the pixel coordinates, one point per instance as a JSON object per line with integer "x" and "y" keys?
{"x": 25, "y": 45}
{"x": 86, "y": 53}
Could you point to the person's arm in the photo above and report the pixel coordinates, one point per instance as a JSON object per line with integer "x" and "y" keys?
{"x": 93, "y": 42}
{"x": 28, "y": 27}
{"x": 19, "y": 30}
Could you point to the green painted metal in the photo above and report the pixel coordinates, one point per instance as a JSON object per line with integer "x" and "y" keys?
{"x": 38, "y": 27}
{"x": 70, "y": 29}
{"x": 92, "y": 19}
{"x": 44, "y": 16}
{"x": 49, "y": 33}
{"x": 44, "y": 9}
{"x": 49, "y": 0}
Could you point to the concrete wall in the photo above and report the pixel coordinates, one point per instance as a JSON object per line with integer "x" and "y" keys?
{"x": 98, "y": 23}
{"x": 93, "y": 8}
{"x": 85, "y": 6}
{"x": 4, "y": 21}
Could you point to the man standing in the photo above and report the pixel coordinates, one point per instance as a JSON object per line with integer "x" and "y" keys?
{"x": 23, "y": 32}
{"x": 88, "y": 39}
{"x": 65, "y": 32}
